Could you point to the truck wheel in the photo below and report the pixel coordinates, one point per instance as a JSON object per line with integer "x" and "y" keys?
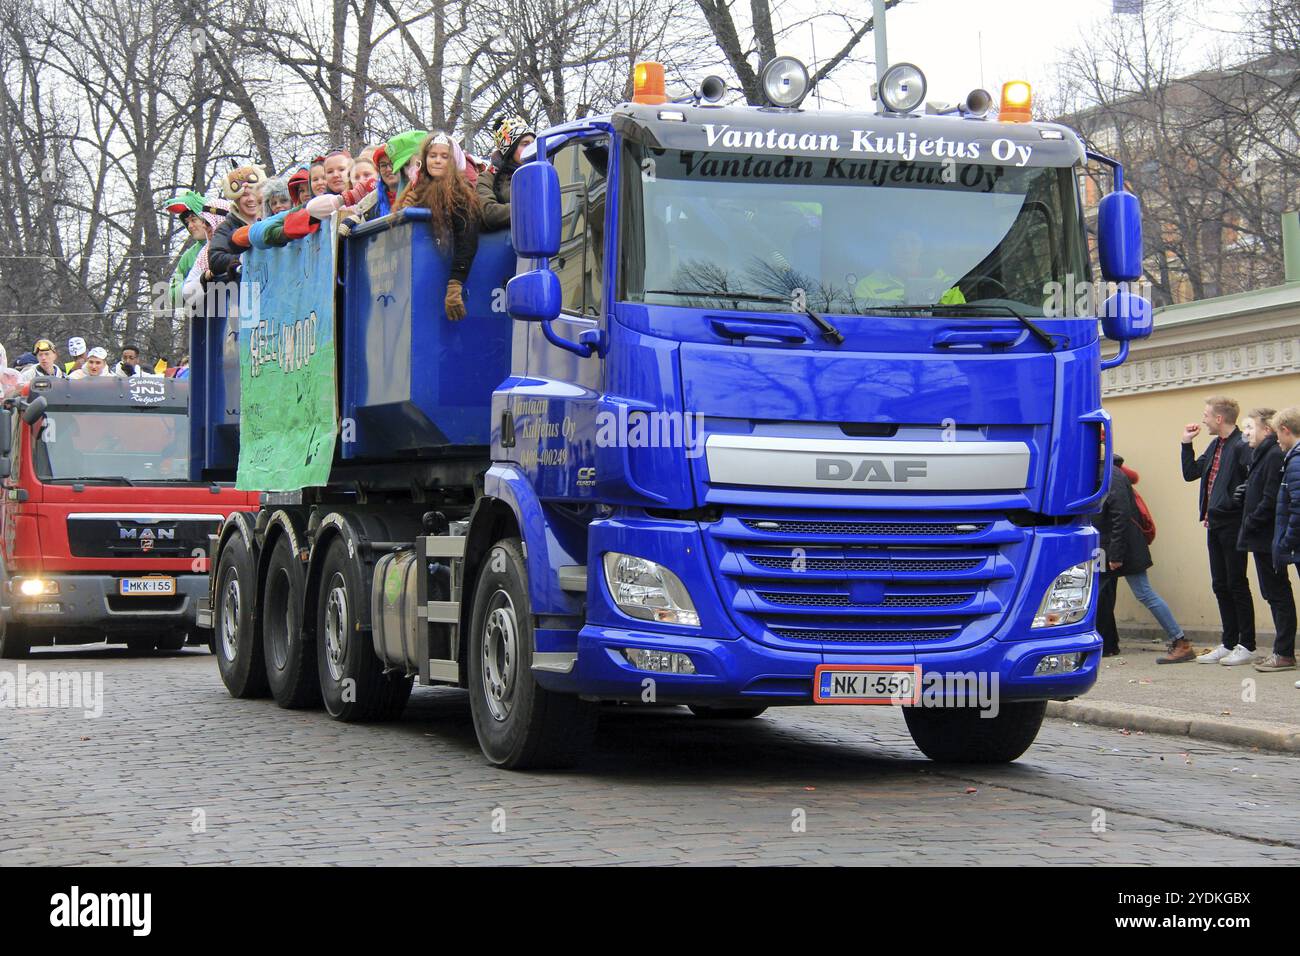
{"x": 289, "y": 648}
{"x": 239, "y": 636}
{"x": 725, "y": 713}
{"x": 961, "y": 735}
{"x": 352, "y": 679}
{"x": 519, "y": 724}
{"x": 15, "y": 642}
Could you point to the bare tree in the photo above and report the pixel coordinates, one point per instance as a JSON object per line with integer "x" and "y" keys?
{"x": 764, "y": 35}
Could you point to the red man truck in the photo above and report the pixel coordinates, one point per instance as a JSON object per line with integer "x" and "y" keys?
{"x": 104, "y": 534}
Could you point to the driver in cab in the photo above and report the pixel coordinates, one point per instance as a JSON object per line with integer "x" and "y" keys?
{"x": 908, "y": 280}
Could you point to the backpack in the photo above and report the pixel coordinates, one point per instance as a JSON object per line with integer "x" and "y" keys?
{"x": 1146, "y": 524}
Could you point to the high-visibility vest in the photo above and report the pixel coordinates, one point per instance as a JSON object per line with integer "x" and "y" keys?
{"x": 881, "y": 287}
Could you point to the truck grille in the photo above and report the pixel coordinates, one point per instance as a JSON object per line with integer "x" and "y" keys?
{"x": 865, "y": 577}
{"x": 139, "y": 535}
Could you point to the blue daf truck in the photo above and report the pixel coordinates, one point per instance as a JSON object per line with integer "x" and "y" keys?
{"x": 752, "y": 407}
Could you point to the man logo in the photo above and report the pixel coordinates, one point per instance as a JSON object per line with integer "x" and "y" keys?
{"x": 146, "y": 544}
{"x": 139, "y": 534}
{"x": 871, "y": 470}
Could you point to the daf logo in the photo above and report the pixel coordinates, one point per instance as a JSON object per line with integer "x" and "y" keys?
{"x": 141, "y": 534}
{"x": 871, "y": 469}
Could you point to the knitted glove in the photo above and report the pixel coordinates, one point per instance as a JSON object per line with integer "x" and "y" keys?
{"x": 454, "y": 303}
{"x": 240, "y": 238}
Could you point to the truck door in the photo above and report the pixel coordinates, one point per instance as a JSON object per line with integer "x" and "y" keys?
{"x": 555, "y": 408}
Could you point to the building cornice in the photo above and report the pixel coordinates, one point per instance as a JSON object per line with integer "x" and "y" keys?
{"x": 1233, "y": 339}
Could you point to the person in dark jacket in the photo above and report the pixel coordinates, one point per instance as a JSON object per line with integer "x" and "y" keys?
{"x": 1259, "y": 512}
{"x": 1220, "y": 470}
{"x": 1139, "y": 582}
{"x": 1125, "y": 550}
{"x": 239, "y": 187}
{"x": 494, "y": 184}
{"x": 441, "y": 188}
{"x": 1286, "y": 524}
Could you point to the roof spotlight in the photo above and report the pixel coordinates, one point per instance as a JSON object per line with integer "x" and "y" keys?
{"x": 785, "y": 82}
{"x": 712, "y": 89}
{"x": 978, "y": 102}
{"x": 902, "y": 88}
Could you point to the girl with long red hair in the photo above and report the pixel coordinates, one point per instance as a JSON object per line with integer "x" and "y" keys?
{"x": 440, "y": 186}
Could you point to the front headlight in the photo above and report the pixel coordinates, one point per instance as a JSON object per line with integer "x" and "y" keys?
{"x": 647, "y": 590}
{"x": 1067, "y": 600}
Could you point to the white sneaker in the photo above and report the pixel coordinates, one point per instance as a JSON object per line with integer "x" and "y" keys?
{"x": 1238, "y": 655}
{"x": 1214, "y": 656}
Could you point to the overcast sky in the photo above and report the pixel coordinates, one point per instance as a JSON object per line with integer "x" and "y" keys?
{"x": 1018, "y": 39}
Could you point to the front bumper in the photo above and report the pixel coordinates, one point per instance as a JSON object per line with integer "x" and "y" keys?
{"x": 736, "y": 671}
{"x": 92, "y": 602}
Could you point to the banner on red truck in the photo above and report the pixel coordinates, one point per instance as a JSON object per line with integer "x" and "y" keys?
{"x": 286, "y": 365}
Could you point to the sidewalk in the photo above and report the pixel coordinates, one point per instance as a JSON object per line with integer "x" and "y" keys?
{"x": 1204, "y": 701}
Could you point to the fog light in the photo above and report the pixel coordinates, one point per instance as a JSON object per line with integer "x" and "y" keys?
{"x": 31, "y": 587}
{"x": 662, "y": 662}
{"x": 1060, "y": 663}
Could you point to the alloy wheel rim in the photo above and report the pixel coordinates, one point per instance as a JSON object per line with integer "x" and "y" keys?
{"x": 336, "y": 629}
{"x": 230, "y": 618}
{"x": 500, "y": 655}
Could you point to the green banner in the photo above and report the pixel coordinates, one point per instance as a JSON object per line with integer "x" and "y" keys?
{"x": 288, "y": 417}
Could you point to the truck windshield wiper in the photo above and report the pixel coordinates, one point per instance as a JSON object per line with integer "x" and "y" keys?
{"x": 829, "y": 332}
{"x": 123, "y": 480}
{"x": 971, "y": 309}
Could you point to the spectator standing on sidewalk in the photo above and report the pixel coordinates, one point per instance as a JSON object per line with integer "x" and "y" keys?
{"x": 1220, "y": 469}
{"x": 1139, "y": 583}
{"x": 1286, "y": 528}
{"x": 1258, "y": 516}
{"x": 1125, "y": 550}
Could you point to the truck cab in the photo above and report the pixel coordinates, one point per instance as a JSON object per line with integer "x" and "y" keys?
{"x": 104, "y": 536}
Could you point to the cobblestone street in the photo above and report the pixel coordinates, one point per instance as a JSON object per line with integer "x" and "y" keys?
{"x": 172, "y": 754}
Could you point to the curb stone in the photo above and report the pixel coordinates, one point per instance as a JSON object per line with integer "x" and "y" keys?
{"x": 1160, "y": 720}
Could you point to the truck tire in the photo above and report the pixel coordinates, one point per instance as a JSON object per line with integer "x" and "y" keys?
{"x": 519, "y": 723}
{"x": 725, "y": 713}
{"x": 238, "y": 631}
{"x": 961, "y": 735}
{"x": 289, "y": 647}
{"x": 353, "y": 683}
{"x": 15, "y": 642}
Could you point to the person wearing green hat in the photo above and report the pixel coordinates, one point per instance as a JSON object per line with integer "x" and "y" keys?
{"x": 190, "y": 206}
{"x": 399, "y": 156}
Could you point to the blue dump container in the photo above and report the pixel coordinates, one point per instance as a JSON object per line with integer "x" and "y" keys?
{"x": 414, "y": 383}
{"x": 214, "y": 391}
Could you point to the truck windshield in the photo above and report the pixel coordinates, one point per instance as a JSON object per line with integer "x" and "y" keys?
{"x": 764, "y": 232}
{"x": 112, "y": 446}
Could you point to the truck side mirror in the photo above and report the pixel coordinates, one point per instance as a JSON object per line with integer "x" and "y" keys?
{"x": 34, "y": 410}
{"x": 6, "y": 431}
{"x": 534, "y": 296}
{"x": 6, "y": 468}
{"x": 1126, "y": 316}
{"x": 535, "y": 210}
{"x": 1119, "y": 237}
